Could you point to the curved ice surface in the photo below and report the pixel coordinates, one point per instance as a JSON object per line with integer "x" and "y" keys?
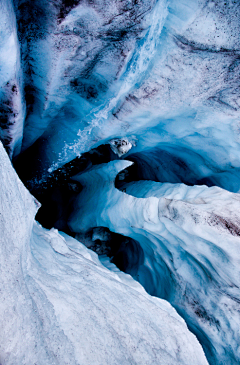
{"x": 190, "y": 238}
{"x": 59, "y": 305}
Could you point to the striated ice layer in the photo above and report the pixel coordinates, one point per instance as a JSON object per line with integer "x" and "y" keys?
{"x": 191, "y": 242}
{"x": 59, "y": 305}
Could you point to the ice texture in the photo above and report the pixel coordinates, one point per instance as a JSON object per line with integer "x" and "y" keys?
{"x": 190, "y": 236}
{"x": 59, "y": 305}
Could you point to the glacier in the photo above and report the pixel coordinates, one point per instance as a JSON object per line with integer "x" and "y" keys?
{"x": 122, "y": 119}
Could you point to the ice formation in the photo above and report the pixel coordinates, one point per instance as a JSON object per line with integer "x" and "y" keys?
{"x": 191, "y": 244}
{"x": 122, "y": 119}
{"x": 59, "y": 305}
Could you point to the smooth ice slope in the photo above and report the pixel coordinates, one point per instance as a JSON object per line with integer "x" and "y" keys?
{"x": 190, "y": 238}
{"x": 59, "y": 305}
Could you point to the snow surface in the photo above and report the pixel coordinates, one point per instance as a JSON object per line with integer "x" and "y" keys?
{"x": 191, "y": 242}
{"x": 59, "y": 305}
